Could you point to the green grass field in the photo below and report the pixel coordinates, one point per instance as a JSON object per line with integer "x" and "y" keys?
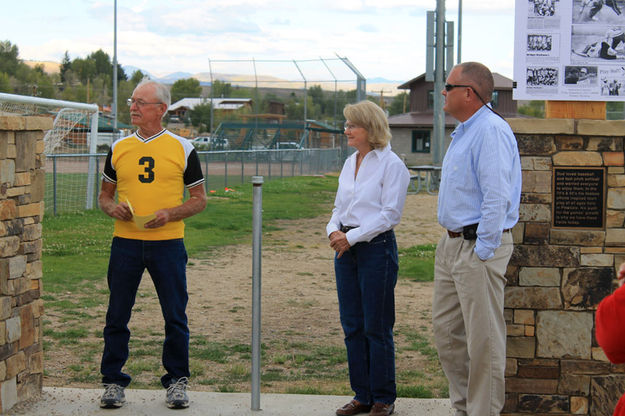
{"x": 75, "y": 256}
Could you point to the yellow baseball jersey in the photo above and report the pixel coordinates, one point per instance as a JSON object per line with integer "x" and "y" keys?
{"x": 151, "y": 173}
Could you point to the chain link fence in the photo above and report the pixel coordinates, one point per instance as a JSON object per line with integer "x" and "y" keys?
{"x": 67, "y": 175}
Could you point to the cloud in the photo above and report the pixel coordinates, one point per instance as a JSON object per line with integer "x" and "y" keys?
{"x": 368, "y": 28}
{"x": 203, "y": 21}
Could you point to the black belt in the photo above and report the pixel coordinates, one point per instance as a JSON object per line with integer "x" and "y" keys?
{"x": 469, "y": 232}
{"x": 346, "y": 228}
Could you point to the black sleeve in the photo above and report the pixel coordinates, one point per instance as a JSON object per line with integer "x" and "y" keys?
{"x": 109, "y": 173}
{"x": 193, "y": 173}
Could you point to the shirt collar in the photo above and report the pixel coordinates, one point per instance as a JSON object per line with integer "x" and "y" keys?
{"x": 466, "y": 124}
{"x": 145, "y": 139}
{"x": 382, "y": 152}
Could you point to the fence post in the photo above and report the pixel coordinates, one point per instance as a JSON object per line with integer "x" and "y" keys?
{"x": 226, "y": 171}
{"x": 54, "y": 184}
{"x": 93, "y": 173}
{"x": 257, "y": 225}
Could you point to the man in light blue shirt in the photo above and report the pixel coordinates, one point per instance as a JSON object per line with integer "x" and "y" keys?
{"x": 478, "y": 204}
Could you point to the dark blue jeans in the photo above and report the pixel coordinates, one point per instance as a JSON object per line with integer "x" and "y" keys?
{"x": 166, "y": 262}
{"x": 365, "y": 279}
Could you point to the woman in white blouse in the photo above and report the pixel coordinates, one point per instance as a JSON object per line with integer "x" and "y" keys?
{"x": 369, "y": 203}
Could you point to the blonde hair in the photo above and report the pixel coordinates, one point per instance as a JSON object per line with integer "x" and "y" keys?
{"x": 372, "y": 118}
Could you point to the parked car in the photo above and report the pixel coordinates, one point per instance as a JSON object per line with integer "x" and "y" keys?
{"x": 210, "y": 143}
{"x": 289, "y": 152}
{"x": 287, "y": 145}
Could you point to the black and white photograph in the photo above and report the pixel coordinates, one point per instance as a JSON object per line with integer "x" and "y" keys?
{"x": 539, "y": 43}
{"x": 580, "y": 75}
{"x": 542, "y": 8}
{"x": 592, "y": 44}
{"x": 612, "y": 82}
{"x": 598, "y": 11}
{"x": 541, "y": 76}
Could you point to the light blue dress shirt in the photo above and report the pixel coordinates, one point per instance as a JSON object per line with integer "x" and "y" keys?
{"x": 481, "y": 180}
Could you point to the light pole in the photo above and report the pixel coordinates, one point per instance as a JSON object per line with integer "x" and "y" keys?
{"x": 439, "y": 81}
{"x": 459, "y": 59}
{"x": 114, "y": 109}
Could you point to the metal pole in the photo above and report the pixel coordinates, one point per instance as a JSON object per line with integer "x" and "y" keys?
{"x": 257, "y": 225}
{"x": 459, "y": 31}
{"x": 54, "y": 184}
{"x": 361, "y": 81}
{"x": 335, "y": 87}
{"x": 439, "y": 82}
{"x": 114, "y": 109}
{"x": 305, "y": 91}
{"x": 92, "y": 174}
{"x": 210, "y": 69}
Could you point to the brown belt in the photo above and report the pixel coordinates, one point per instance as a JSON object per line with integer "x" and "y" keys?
{"x": 453, "y": 234}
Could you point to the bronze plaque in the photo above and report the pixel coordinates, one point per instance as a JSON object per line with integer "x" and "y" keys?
{"x": 578, "y": 197}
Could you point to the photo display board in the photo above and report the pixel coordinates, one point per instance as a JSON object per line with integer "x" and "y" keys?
{"x": 572, "y": 50}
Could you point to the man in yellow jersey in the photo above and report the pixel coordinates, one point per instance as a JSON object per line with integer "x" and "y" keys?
{"x": 149, "y": 171}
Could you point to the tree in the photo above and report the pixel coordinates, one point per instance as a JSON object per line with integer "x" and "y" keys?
{"x": 400, "y": 104}
{"x": 84, "y": 69}
{"x": 124, "y": 91}
{"x": 201, "y": 117}
{"x": 66, "y": 65}
{"x": 221, "y": 89}
{"x": 317, "y": 96}
{"x": 5, "y": 83}
{"x": 9, "y": 61}
{"x": 534, "y": 108}
{"x": 185, "y": 88}
{"x": 137, "y": 77}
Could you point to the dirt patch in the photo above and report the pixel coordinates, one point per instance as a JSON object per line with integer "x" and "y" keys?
{"x": 299, "y": 309}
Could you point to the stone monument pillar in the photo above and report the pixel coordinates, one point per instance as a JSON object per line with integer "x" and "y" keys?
{"x": 21, "y": 211}
{"x": 569, "y": 240}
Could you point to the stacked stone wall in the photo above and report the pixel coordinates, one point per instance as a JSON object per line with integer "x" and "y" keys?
{"x": 21, "y": 212}
{"x": 558, "y": 276}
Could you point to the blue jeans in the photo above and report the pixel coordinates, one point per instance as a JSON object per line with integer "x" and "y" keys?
{"x": 166, "y": 262}
{"x": 365, "y": 279}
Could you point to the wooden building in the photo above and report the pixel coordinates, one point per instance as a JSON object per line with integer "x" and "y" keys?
{"x": 412, "y": 131}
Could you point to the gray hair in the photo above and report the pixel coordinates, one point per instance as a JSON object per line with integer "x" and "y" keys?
{"x": 161, "y": 91}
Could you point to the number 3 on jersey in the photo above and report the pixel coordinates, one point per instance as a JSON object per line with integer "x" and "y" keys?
{"x": 148, "y": 167}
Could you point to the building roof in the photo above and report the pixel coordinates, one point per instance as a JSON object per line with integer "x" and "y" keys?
{"x": 418, "y": 119}
{"x": 501, "y": 82}
{"x": 219, "y": 103}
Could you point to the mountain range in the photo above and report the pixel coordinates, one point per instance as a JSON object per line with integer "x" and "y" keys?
{"x": 375, "y": 86}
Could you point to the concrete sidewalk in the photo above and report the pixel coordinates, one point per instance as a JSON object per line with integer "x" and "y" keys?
{"x": 57, "y": 401}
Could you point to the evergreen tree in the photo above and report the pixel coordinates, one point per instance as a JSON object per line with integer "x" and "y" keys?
{"x": 66, "y": 65}
{"x": 185, "y": 88}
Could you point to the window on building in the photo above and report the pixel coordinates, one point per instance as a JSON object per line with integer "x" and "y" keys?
{"x": 420, "y": 141}
{"x": 495, "y": 99}
{"x": 431, "y": 99}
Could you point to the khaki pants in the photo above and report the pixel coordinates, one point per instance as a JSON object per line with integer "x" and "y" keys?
{"x": 469, "y": 326}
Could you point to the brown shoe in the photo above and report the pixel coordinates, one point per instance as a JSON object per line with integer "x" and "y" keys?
{"x": 353, "y": 408}
{"x": 381, "y": 409}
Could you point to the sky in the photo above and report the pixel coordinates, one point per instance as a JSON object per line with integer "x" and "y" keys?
{"x": 381, "y": 38}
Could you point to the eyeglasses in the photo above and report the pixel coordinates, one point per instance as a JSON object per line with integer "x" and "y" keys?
{"x": 350, "y": 126}
{"x": 139, "y": 103}
{"x": 449, "y": 87}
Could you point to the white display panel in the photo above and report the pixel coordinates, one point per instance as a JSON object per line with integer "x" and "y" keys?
{"x": 569, "y": 50}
